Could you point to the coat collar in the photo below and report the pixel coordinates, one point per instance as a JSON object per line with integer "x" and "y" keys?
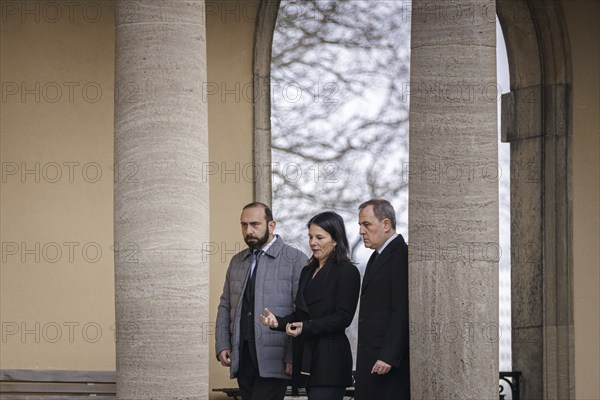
{"x": 381, "y": 260}
{"x": 273, "y": 251}
{"x": 327, "y": 270}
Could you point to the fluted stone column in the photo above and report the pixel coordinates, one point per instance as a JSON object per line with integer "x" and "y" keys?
{"x": 161, "y": 201}
{"x": 453, "y": 201}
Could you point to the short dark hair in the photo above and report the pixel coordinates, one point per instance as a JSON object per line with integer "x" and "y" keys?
{"x": 382, "y": 209}
{"x": 268, "y": 212}
{"x": 333, "y": 224}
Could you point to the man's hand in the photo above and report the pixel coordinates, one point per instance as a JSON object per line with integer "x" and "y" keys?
{"x": 225, "y": 358}
{"x": 381, "y": 368}
{"x": 288, "y": 368}
{"x": 268, "y": 319}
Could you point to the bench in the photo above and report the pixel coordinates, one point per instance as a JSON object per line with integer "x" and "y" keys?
{"x": 235, "y": 393}
{"x": 24, "y": 384}
{"x": 508, "y": 380}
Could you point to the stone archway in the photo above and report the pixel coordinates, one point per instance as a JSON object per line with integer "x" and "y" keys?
{"x": 536, "y": 121}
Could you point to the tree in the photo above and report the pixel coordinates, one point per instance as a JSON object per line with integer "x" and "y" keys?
{"x": 339, "y": 110}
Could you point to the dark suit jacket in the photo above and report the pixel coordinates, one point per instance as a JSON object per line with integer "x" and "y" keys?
{"x": 322, "y": 354}
{"x": 383, "y": 326}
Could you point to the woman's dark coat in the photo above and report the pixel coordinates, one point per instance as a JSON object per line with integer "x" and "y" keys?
{"x": 326, "y": 307}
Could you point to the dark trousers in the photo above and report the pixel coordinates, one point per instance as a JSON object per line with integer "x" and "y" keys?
{"x": 391, "y": 386}
{"x": 252, "y": 386}
{"x": 326, "y": 392}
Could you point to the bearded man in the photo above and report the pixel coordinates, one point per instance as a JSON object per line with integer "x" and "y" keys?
{"x": 264, "y": 274}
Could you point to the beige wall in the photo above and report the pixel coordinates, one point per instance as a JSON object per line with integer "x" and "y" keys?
{"x": 230, "y": 42}
{"x": 72, "y": 47}
{"x": 56, "y": 120}
{"x": 42, "y": 131}
{"x": 584, "y": 36}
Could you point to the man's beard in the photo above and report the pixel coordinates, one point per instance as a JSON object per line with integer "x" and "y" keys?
{"x": 260, "y": 242}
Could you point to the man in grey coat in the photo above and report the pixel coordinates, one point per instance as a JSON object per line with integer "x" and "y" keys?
{"x": 264, "y": 274}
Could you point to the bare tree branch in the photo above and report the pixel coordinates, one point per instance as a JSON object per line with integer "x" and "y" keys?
{"x": 339, "y": 114}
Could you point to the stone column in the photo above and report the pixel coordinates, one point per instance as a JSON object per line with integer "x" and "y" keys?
{"x": 161, "y": 200}
{"x": 265, "y": 28}
{"x": 453, "y": 201}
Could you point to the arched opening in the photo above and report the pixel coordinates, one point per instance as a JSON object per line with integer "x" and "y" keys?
{"x": 536, "y": 118}
{"x": 536, "y": 121}
{"x": 504, "y": 265}
{"x": 339, "y": 113}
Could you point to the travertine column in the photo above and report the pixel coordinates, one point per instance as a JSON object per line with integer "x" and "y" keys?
{"x": 453, "y": 201}
{"x": 161, "y": 201}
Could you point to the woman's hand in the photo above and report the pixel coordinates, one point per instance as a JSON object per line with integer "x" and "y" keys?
{"x": 294, "y": 329}
{"x": 269, "y": 320}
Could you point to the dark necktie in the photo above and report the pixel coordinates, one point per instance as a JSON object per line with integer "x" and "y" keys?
{"x": 252, "y": 278}
{"x": 371, "y": 261}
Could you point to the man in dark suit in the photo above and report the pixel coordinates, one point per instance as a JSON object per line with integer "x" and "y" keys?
{"x": 382, "y": 365}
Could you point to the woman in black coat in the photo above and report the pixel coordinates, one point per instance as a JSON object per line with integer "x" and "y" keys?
{"x": 324, "y": 307}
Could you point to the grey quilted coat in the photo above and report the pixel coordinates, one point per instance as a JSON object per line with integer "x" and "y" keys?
{"x": 275, "y": 288}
